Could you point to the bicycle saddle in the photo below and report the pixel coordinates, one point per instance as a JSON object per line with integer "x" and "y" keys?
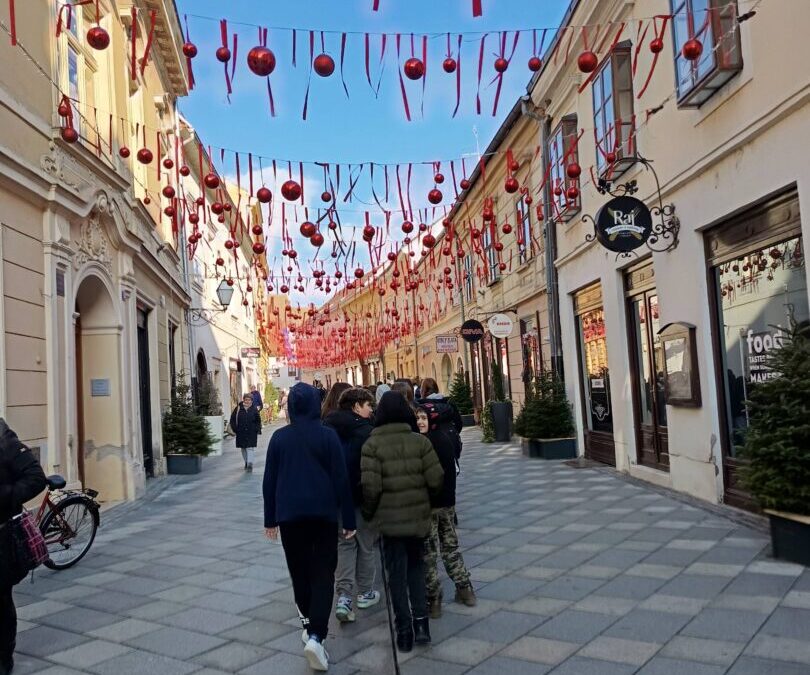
{"x": 56, "y": 482}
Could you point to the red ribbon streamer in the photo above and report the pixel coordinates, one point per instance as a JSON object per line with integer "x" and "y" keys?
{"x": 223, "y": 29}
{"x": 402, "y": 82}
{"x": 12, "y": 19}
{"x": 342, "y": 58}
{"x": 480, "y": 71}
{"x": 150, "y": 38}
{"x": 191, "y": 81}
{"x": 658, "y": 34}
{"x": 477, "y": 10}
{"x": 309, "y": 76}
{"x": 458, "y": 78}
{"x": 133, "y": 58}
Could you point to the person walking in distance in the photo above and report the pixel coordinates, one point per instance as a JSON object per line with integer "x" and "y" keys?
{"x": 356, "y": 567}
{"x": 399, "y": 473}
{"x": 247, "y": 425}
{"x": 306, "y": 491}
{"x": 443, "y": 534}
{"x": 330, "y": 403}
{"x": 21, "y": 479}
{"x": 257, "y": 397}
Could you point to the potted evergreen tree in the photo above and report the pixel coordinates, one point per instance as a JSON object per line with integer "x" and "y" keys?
{"x": 545, "y": 422}
{"x": 777, "y": 446}
{"x": 500, "y": 408}
{"x": 210, "y": 407}
{"x": 186, "y": 437}
{"x": 461, "y": 396}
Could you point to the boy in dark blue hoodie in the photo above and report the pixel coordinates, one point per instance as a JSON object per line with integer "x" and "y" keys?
{"x": 305, "y": 487}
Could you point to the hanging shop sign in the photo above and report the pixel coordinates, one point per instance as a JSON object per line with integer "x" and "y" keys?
{"x": 251, "y": 352}
{"x": 472, "y": 330}
{"x": 623, "y": 224}
{"x": 446, "y": 344}
{"x": 500, "y": 325}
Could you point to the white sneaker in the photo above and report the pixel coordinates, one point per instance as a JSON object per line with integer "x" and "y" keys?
{"x": 368, "y": 599}
{"x": 316, "y": 655}
{"x": 343, "y": 611}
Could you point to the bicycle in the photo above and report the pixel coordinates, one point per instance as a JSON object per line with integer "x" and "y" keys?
{"x": 68, "y": 522}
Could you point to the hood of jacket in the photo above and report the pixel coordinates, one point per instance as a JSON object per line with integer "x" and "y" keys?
{"x": 304, "y": 403}
{"x": 345, "y": 422}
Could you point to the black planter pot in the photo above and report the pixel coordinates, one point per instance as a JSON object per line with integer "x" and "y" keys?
{"x": 468, "y": 420}
{"x": 790, "y": 537}
{"x": 183, "y": 465}
{"x": 549, "y": 448}
{"x": 502, "y": 420}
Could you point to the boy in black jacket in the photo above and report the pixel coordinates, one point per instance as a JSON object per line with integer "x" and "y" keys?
{"x": 443, "y": 532}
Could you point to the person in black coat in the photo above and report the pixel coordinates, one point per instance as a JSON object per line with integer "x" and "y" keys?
{"x": 356, "y": 567}
{"x": 21, "y": 479}
{"x": 247, "y": 425}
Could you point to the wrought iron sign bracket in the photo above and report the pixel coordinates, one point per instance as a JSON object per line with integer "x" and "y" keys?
{"x": 665, "y": 226}
{"x": 200, "y": 316}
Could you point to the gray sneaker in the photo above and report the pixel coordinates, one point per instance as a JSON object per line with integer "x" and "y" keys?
{"x": 368, "y": 599}
{"x": 343, "y": 611}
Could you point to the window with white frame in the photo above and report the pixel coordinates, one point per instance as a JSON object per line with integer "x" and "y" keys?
{"x": 613, "y": 112}
{"x": 561, "y": 152}
{"x": 494, "y": 271}
{"x": 468, "y": 277}
{"x": 524, "y": 230}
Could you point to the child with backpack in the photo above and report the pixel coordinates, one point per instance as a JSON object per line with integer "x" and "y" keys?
{"x": 442, "y": 412}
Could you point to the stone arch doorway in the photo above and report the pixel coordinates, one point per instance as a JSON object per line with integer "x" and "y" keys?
{"x": 447, "y": 373}
{"x": 99, "y": 388}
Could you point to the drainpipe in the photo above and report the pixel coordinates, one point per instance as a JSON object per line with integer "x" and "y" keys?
{"x": 550, "y": 240}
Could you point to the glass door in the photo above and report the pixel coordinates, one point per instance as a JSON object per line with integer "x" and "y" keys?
{"x": 648, "y": 382}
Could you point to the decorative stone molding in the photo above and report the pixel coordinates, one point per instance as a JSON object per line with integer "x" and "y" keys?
{"x": 93, "y": 245}
{"x": 57, "y": 165}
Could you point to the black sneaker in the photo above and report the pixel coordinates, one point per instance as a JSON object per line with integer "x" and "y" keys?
{"x": 421, "y": 629}
{"x": 405, "y": 640}
{"x": 250, "y": 468}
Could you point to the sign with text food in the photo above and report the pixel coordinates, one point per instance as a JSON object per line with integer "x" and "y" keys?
{"x": 623, "y": 224}
{"x": 500, "y": 325}
{"x": 251, "y": 352}
{"x": 446, "y": 344}
{"x": 472, "y": 330}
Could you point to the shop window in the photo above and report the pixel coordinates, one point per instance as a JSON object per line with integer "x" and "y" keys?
{"x": 759, "y": 296}
{"x": 524, "y": 230}
{"x": 714, "y": 24}
{"x": 561, "y": 152}
{"x": 614, "y": 121}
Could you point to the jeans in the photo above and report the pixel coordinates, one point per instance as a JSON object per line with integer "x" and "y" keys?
{"x": 8, "y": 626}
{"x": 310, "y": 547}
{"x": 248, "y": 454}
{"x": 404, "y": 560}
{"x": 356, "y": 560}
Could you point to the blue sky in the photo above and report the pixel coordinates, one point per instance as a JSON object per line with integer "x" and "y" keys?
{"x": 364, "y": 127}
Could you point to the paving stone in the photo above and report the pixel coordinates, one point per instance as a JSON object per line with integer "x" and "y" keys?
{"x": 540, "y": 650}
{"x": 256, "y": 632}
{"x": 775, "y": 567}
{"x": 142, "y": 663}
{"x": 788, "y": 623}
{"x": 694, "y": 586}
{"x": 574, "y": 626}
{"x": 502, "y": 626}
{"x": 205, "y": 621}
{"x": 648, "y": 626}
{"x": 465, "y": 651}
{"x": 577, "y": 665}
{"x": 233, "y": 656}
{"x": 717, "y": 652}
{"x": 673, "y": 603}
{"x": 569, "y": 587}
{"x": 626, "y": 586}
{"x": 176, "y": 643}
{"x": 605, "y": 605}
{"x": 722, "y": 624}
{"x": 499, "y": 665}
{"x": 424, "y": 666}
{"x": 33, "y": 611}
{"x": 654, "y": 571}
{"x": 621, "y": 651}
{"x": 660, "y": 665}
{"x": 755, "y": 583}
{"x": 124, "y": 630}
{"x": 747, "y": 665}
{"x": 44, "y": 640}
{"x": 24, "y": 665}
{"x": 797, "y": 599}
{"x": 507, "y": 589}
{"x": 89, "y": 653}
{"x": 79, "y": 619}
{"x": 779, "y": 648}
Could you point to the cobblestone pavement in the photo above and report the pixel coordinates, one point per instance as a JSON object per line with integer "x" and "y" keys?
{"x": 578, "y": 572}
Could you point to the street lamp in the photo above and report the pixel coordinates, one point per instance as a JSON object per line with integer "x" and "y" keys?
{"x": 202, "y": 315}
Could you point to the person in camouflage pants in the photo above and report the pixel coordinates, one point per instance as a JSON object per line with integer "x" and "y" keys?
{"x": 443, "y": 537}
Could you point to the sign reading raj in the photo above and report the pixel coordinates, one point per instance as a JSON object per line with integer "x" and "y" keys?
{"x": 623, "y": 224}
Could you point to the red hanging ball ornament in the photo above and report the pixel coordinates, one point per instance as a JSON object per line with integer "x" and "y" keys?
{"x": 422, "y": 227}
{"x": 284, "y": 288}
{"x": 307, "y": 229}
{"x": 193, "y": 218}
{"x": 189, "y": 50}
{"x": 435, "y": 196}
{"x": 199, "y": 201}
{"x": 610, "y": 157}
{"x": 446, "y": 251}
{"x": 147, "y": 200}
{"x": 498, "y": 246}
{"x": 501, "y": 64}
{"x": 657, "y": 45}
{"x": 487, "y": 214}
{"x": 211, "y": 181}
{"x": 227, "y": 207}
{"x": 326, "y": 197}
{"x": 449, "y": 65}
{"x": 692, "y": 49}
{"x": 69, "y": 134}
{"x": 447, "y": 222}
{"x": 249, "y": 288}
{"x": 220, "y": 261}
{"x": 261, "y": 61}
{"x": 332, "y": 225}
{"x": 507, "y": 228}
{"x": 63, "y": 109}
{"x": 168, "y": 163}
{"x": 316, "y": 240}
{"x": 185, "y": 171}
{"x": 192, "y": 239}
{"x": 572, "y": 193}
{"x": 414, "y": 69}
{"x": 502, "y": 266}
{"x": 324, "y": 65}
{"x": 229, "y": 244}
{"x": 145, "y": 156}
{"x": 123, "y": 152}
{"x": 511, "y": 185}
{"x": 392, "y": 256}
{"x": 221, "y": 218}
{"x": 358, "y": 273}
{"x": 229, "y": 281}
{"x": 407, "y": 227}
{"x": 257, "y": 230}
{"x": 291, "y": 190}
{"x": 573, "y": 170}
{"x": 464, "y": 184}
{"x": 587, "y": 61}
{"x": 98, "y": 38}
{"x": 168, "y": 192}
{"x": 528, "y": 200}
{"x": 258, "y": 249}
{"x": 217, "y": 208}
{"x": 535, "y": 64}
{"x": 223, "y": 55}
{"x": 439, "y": 178}
{"x": 293, "y": 254}
{"x": 557, "y": 191}
{"x": 428, "y": 241}
{"x": 264, "y": 195}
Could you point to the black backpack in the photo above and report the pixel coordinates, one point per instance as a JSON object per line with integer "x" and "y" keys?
{"x": 441, "y": 416}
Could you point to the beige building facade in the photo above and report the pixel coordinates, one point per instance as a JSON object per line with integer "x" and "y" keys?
{"x": 93, "y": 296}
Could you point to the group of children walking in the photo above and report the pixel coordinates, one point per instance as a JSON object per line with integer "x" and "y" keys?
{"x": 343, "y": 477}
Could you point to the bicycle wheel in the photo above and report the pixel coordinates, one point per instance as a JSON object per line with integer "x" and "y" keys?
{"x": 69, "y": 530}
